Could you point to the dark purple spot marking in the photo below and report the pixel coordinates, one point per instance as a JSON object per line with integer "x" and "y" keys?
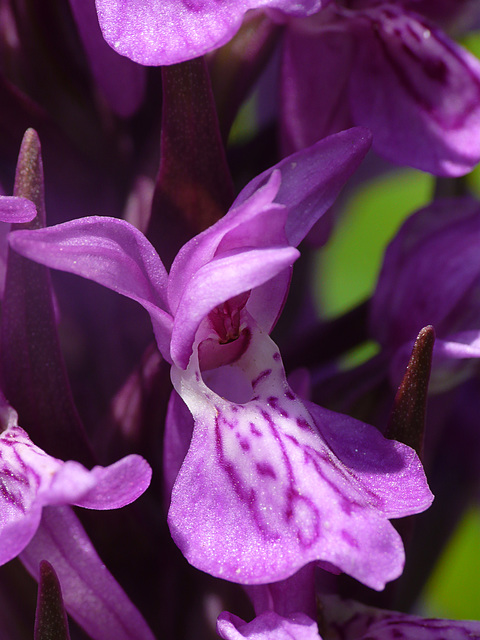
{"x": 290, "y": 395}
{"x": 303, "y": 424}
{"x": 255, "y": 431}
{"x": 349, "y": 539}
{"x": 266, "y": 469}
{"x": 245, "y": 444}
{"x": 274, "y": 403}
{"x": 261, "y": 376}
{"x": 276, "y": 356}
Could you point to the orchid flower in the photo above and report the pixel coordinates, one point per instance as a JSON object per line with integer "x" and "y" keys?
{"x": 37, "y": 524}
{"x": 346, "y": 620}
{"x": 431, "y": 275}
{"x": 382, "y": 66}
{"x": 269, "y": 483}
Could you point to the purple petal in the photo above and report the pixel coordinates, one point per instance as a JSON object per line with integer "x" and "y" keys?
{"x": 162, "y": 32}
{"x": 121, "y": 81}
{"x": 13, "y": 209}
{"x": 31, "y": 479}
{"x": 356, "y": 621}
{"x": 427, "y": 114}
{"x": 261, "y": 493}
{"x": 28, "y": 481}
{"x": 312, "y": 179}
{"x": 430, "y": 274}
{"x": 268, "y": 626}
{"x": 91, "y": 594}
{"x": 256, "y": 223}
{"x": 110, "y": 252}
{"x": 178, "y": 434}
{"x": 465, "y": 344}
{"x": 118, "y": 484}
{"x": 218, "y": 281}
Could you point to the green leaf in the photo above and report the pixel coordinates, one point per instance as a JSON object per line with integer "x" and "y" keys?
{"x": 453, "y": 590}
{"x": 347, "y": 267}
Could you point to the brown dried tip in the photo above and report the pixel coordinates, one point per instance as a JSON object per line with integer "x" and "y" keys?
{"x": 407, "y": 419}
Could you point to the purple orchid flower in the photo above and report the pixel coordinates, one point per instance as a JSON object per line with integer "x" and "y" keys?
{"x": 268, "y": 626}
{"x": 431, "y": 275}
{"x": 382, "y": 66}
{"x": 269, "y": 483}
{"x": 346, "y": 620}
{"x": 159, "y": 32}
{"x": 37, "y": 524}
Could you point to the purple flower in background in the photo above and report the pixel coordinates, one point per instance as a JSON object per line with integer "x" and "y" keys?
{"x": 268, "y": 483}
{"x": 382, "y": 66}
{"x": 37, "y": 524}
{"x": 161, "y": 32}
{"x": 431, "y": 275}
{"x": 32, "y": 480}
{"x": 346, "y": 620}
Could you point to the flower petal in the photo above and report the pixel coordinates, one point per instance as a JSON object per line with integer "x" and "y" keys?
{"x": 311, "y": 179}
{"x": 118, "y": 484}
{"x": 427, "y": 111}
{"x": 268, "y": 626}
{"x": 108, "y": 251}
{"x": 162, "y": 32}
{"x": 261, "y": 493}
{"x": 354, "y": 621}
{"x": 218, "y": 281}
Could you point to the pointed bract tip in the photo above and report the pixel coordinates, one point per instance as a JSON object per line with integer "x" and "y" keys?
{"x": 29, "y": 175}
{"x": 50, "y": 618}
{"x": 407, "y": 419}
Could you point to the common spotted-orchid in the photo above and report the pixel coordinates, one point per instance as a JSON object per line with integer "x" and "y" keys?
{"x": 385, "y": 67}
{"x": 269, "y": 483}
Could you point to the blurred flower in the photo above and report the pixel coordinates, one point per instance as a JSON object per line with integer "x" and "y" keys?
{"x": 382, "y": 66}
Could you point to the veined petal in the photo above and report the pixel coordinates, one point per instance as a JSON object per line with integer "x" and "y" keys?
{"x": 311, "y": 179}
{"x": 218, "y": 281}
{"x": 162, "y": 32}
{"x": 30, "y": 479}
{"x": 418, "y": 91}
{"x": 14, "y": 209}
{"x": 90, "y": 593}
{"x": 109, "y": 251}
{"x": 268, "y": 626}
{"x": 261, "y": 492}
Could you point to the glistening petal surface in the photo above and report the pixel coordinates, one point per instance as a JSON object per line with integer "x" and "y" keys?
{"x": 162, "y": 32}
{"x": 261, "y": 493}
{"x": 108, "y": 251}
